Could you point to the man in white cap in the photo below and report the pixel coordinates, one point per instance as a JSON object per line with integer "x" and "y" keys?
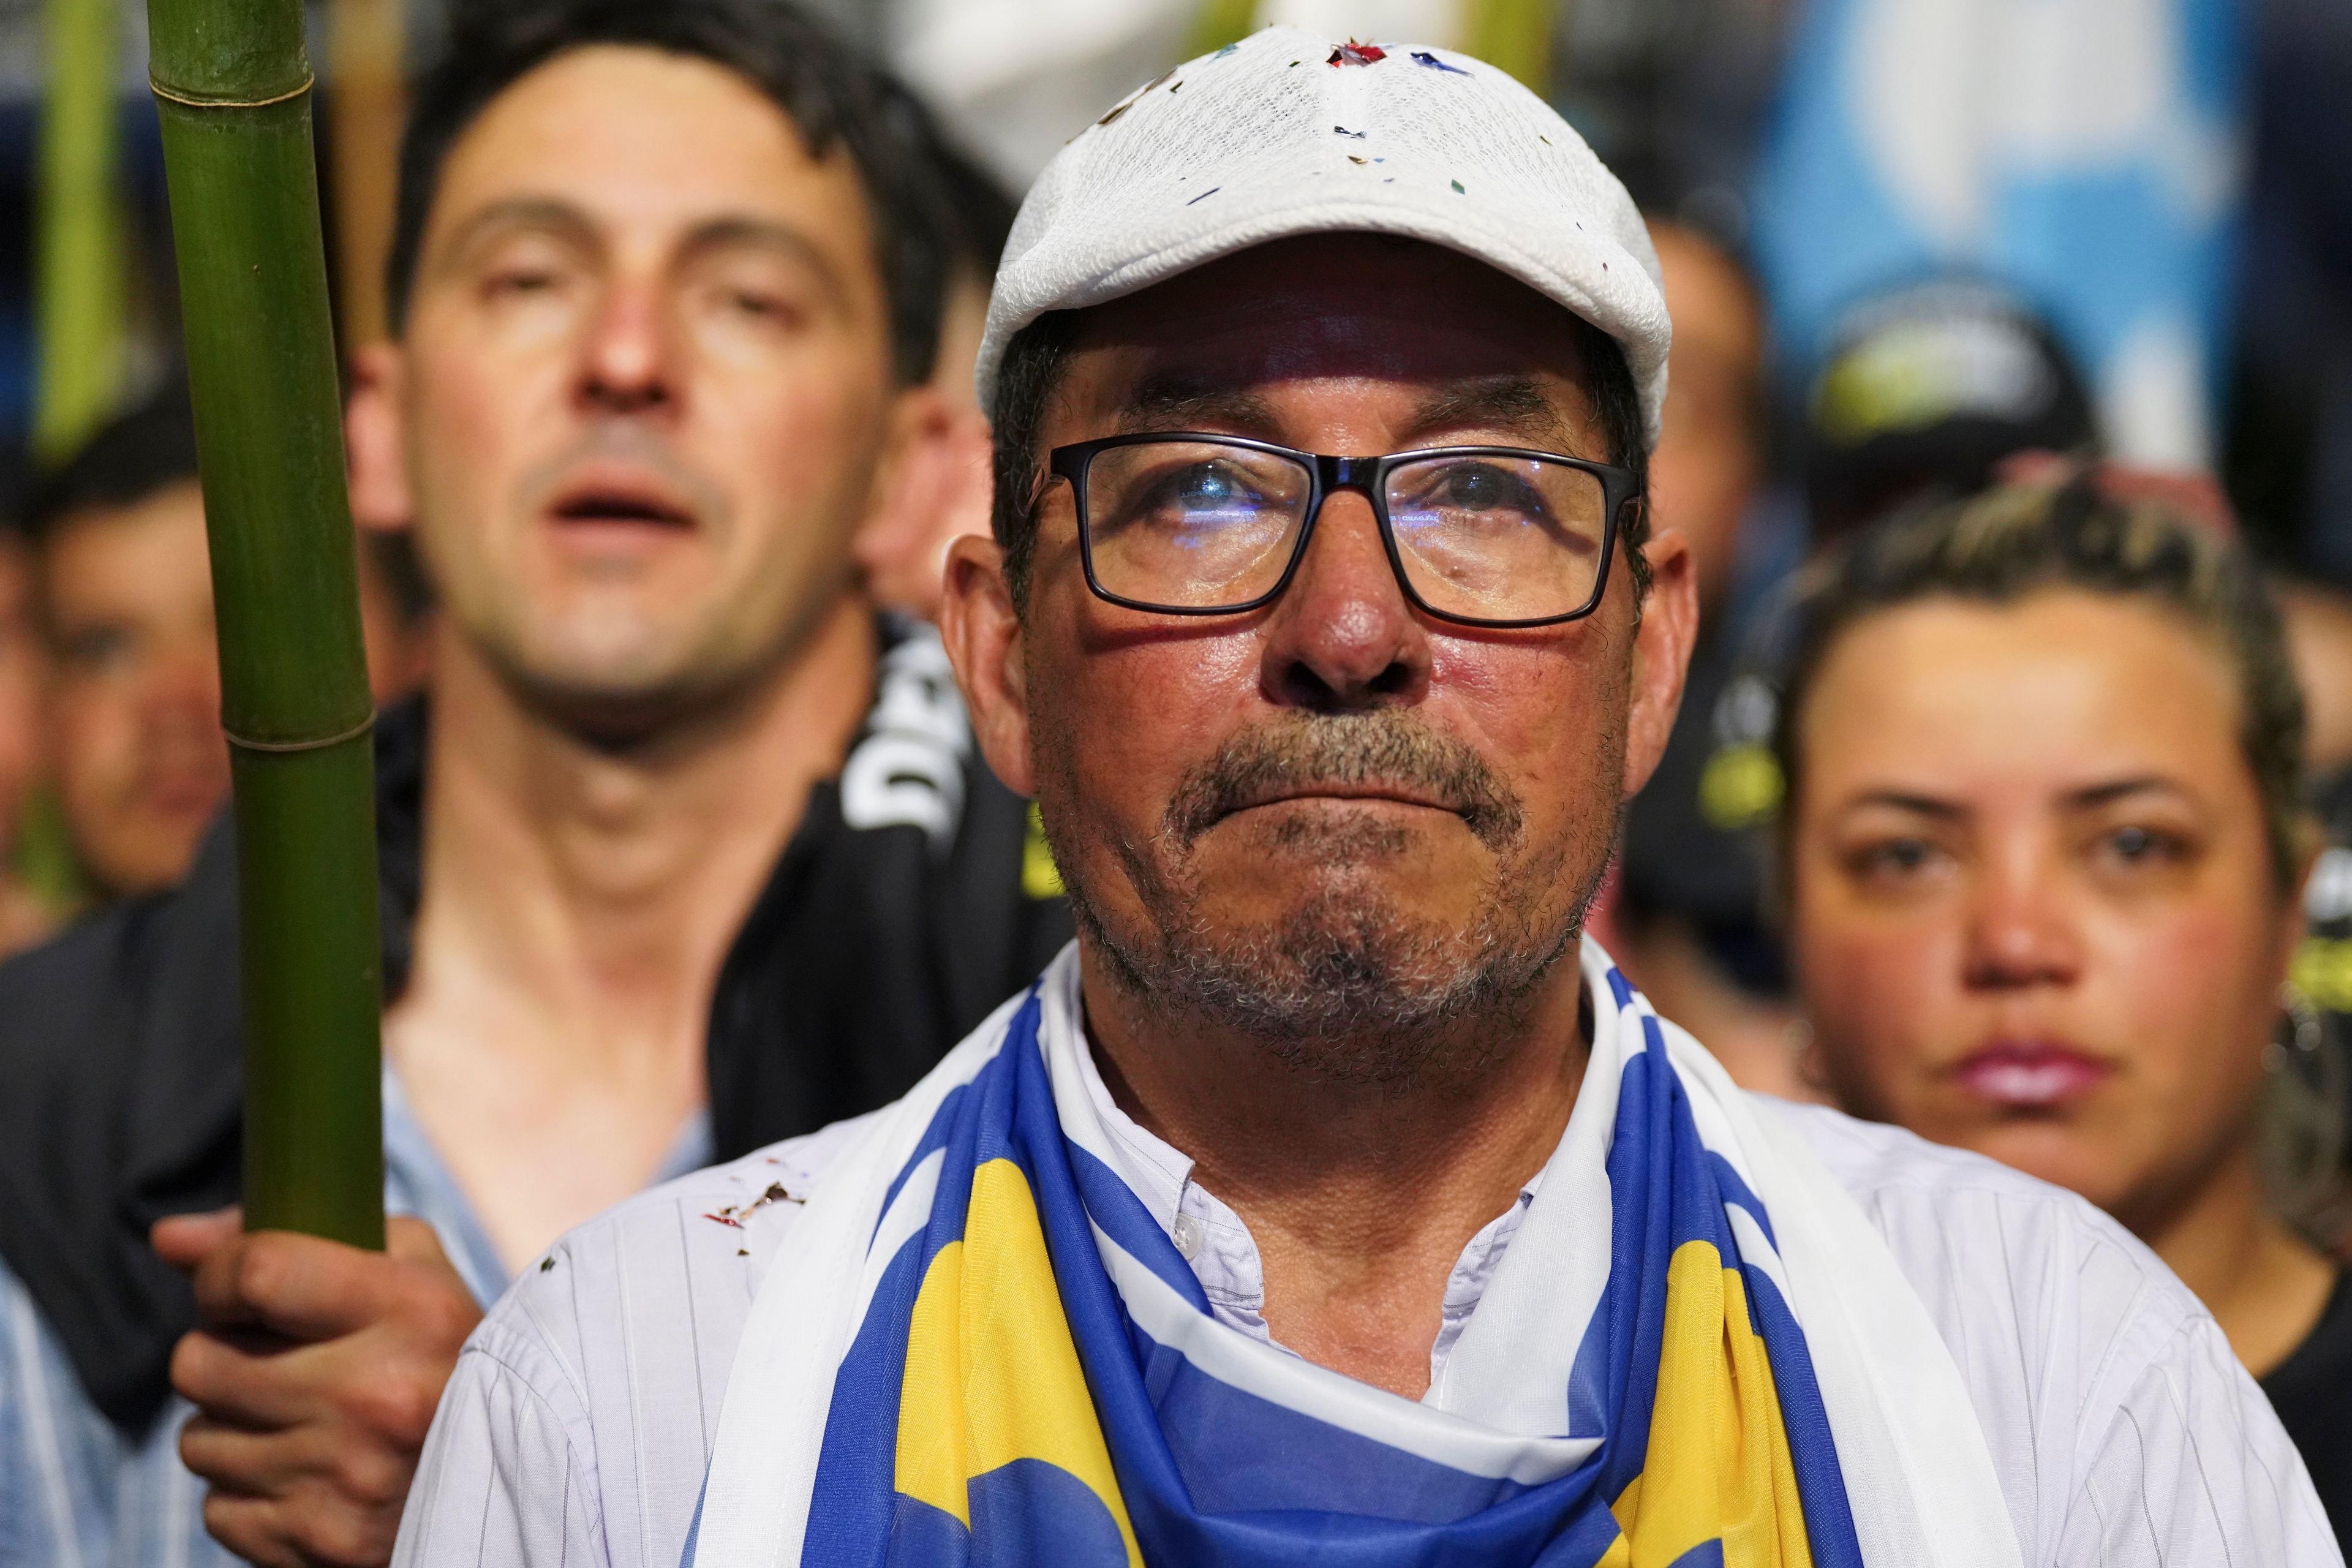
{"x": 1332, "y": 1199}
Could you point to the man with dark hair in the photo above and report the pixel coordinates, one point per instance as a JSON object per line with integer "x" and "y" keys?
{"x": 687, "y": 851}
{"x": 1333, "y": 1199}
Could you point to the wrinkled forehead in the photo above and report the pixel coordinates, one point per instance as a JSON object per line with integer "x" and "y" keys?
{"x": 1327, "y": 316}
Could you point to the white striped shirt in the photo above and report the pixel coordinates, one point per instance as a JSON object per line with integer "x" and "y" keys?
{"x": 579, "y": 1424}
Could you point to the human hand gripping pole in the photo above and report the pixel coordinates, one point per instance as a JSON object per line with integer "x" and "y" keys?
{"x": 315, "y": 1377}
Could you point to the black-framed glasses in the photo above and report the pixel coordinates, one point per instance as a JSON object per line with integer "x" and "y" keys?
{"x": 1180, "y": 524}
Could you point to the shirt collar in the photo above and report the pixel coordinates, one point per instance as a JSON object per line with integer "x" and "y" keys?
{"x": 1212, "y": 1238}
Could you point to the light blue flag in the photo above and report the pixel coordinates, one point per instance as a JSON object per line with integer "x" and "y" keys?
{"x": 2087, "y": 153}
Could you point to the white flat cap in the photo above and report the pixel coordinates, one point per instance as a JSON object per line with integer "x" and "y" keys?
{"x": 1287, "y": 134}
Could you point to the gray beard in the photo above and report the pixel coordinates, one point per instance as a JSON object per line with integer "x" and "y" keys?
{"x": 1346, "y": 985}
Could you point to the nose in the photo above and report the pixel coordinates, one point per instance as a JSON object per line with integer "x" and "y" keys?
{"x": 1343, "y": 638}
{"x": 628, "y": 361}
{"x": 2022, "y": 932}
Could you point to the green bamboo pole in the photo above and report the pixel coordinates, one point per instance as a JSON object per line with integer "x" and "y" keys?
{"x": 233, "y": 87}
{"x": 79, "y": 280}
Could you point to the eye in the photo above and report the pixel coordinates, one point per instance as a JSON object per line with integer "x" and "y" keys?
{"x": 1203, "y": 492}
{"x": 2135, "y": 846}
{"x": 1902, "y": 860}
{"x": 518, "y": 282}
{"x": 1901, "y": 855}
{"x": 758, "y": 305}
{"x": 98, "y": 649}
{"x": 1486, "y": 488}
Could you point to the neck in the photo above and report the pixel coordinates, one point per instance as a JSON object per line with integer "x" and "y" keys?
{"x": 2264, "y": 1284}
{"x": 602, "y": 888}
{"x": 1361, "y": 1196}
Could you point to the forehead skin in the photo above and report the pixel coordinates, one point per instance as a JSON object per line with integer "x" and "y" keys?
{"x": 647, "y": 146}
{"x": 1983, "y": 703}
{"x": 146, "y": 561}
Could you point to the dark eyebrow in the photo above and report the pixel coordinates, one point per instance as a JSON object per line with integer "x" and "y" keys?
{"x": 1512, "y": 405}
{"x": 1901, "y": 800}
{"x": 1174, "y": 400}
{"x": 2097, "y": 795}
{"x": 522, "y": 212}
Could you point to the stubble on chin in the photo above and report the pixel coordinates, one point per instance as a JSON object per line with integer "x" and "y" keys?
{"x": 1348, "y": 983}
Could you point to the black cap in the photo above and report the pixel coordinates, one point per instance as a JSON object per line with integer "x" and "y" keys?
{"x": 1926, "y": 389}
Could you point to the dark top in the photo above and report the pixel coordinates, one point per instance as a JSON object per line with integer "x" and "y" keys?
{"x": 2312, "y": 1391}
{"x": 1694, "y": 836}
{"x": 896, "y": 918}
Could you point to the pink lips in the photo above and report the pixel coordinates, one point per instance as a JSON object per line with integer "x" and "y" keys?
{"x": 2028, "y": 1075}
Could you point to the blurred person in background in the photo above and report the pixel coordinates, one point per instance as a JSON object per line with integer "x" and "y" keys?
{"x": 1928, "y": 387}
{"x": 2085, "y": 153}
{"x": 1689, "y": 911}
{"x": 125, "y": 600}
{"x": 688, "y": 850}
{"x": 904, "y": 561}
{"x": 2319, "y": 640}
{"x": 25, "y": 915}
{"x": 2042, "y": 852}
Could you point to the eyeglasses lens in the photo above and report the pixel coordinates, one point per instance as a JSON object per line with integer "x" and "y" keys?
{"x": 1496, "y": 538}
{"x": 1194, "y": 524}
{"x": 1203, "y": 525}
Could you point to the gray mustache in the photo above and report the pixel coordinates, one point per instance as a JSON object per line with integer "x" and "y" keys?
{"x": 1293, "y": 755}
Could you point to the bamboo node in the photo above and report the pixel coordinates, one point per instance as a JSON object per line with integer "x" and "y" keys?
{"x": 160, "y": 91}
{"x": 321, "y": 743}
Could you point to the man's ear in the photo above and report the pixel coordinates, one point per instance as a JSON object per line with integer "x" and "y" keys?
{"x": 985, "y": 640}
{"x": 1662, "y": 649}
{"x": 934, "y": 491}
{"x": 375, "y": 442}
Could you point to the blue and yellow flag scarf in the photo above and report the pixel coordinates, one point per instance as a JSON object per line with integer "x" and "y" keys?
{"x": 979, "y": 1347}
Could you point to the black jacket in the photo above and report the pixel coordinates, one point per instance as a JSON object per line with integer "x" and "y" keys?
{"x": 894, "y": 922}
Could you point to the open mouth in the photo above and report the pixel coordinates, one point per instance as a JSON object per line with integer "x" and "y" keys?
{"x": 625, "y": 507}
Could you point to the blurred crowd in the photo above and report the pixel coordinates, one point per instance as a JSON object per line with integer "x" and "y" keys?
{"x": 2010, "y": 426}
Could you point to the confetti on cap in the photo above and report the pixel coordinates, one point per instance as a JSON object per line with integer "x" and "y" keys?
{"x": 1243, "y": 156}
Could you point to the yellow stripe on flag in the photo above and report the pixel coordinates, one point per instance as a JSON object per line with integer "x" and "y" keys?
{"x": 993, "y": 1374}
{"x": 1717, "y": 1465}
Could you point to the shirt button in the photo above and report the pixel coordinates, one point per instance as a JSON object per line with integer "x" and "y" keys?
{"x": 1186, "y": 1233}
